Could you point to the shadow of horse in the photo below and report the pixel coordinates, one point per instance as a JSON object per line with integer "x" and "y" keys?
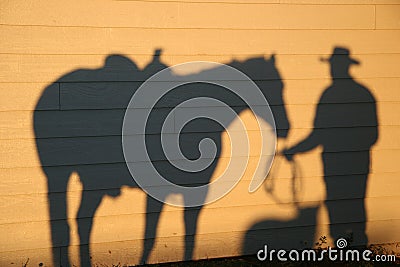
{"x": 84, "y": 136}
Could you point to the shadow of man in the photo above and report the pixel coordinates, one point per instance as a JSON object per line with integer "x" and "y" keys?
{"x": 346, "y": 126}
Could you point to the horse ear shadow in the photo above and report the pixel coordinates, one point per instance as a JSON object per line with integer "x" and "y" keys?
{"x": 272, "y": 58}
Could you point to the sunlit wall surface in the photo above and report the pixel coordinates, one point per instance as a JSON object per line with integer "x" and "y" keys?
{"x": 53, "y": 67}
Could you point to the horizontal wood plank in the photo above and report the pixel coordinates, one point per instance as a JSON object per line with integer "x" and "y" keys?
{"x": 114, "y": 95}
{"x": 35, "y": 257}
{"x": 342, "y": 2}
{"x": 130, "y": 227}
{"x": 98, "y": 41}
{"x": 95, "y": 150}
{"x": 170, "y": 249}
{"x": 190, "y": 15}
{"x": 22, "y": 96}
{"x": 32, "y": 180}
{"x": 91, "y": 123}
{"x": 48, "y": 68}
{"x": 34, "y": 207}
{"x": 387, "y": 16}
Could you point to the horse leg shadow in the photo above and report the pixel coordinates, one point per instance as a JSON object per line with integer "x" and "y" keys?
{"x": 191, "y": 216}
{"x": 153, "y": 212}
{"x": 90, "y": 201}
{"x": 57, "y": 182}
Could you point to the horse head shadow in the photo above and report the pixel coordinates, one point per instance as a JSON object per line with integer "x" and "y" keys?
{"x": 84, "y": 136}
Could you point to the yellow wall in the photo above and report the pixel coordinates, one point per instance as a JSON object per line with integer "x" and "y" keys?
{"x": 43, "y": 40}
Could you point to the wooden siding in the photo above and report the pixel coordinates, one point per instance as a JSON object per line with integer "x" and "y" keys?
{"x": 43, "y": 40}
